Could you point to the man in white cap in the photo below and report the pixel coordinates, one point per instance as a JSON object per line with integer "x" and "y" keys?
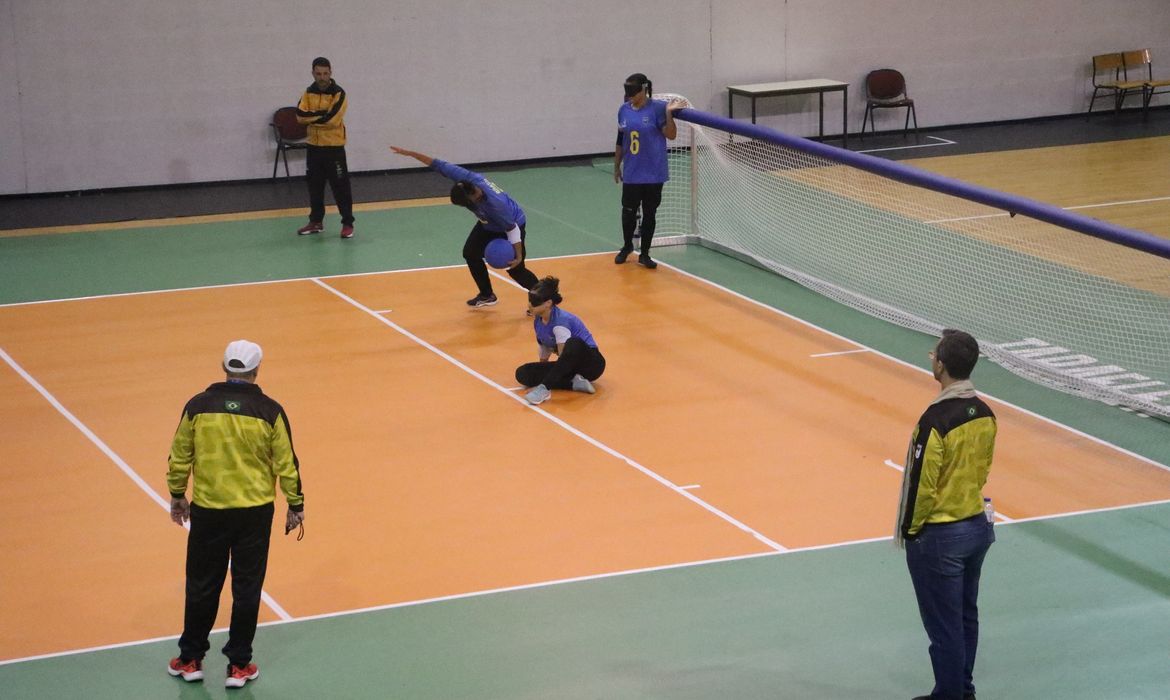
{"x": 237, "y": 443}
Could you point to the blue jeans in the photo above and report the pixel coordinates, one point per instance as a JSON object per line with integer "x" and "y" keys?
{"x": 945, "y": 561}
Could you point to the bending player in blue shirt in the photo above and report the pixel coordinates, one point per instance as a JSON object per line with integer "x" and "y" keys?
{"x": 499, "y": 217}
{"x": 579, "y": 363}
{"x": 640, "y": 163}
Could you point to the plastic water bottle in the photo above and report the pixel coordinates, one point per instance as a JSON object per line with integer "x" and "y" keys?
{"x": 988, "y": 510}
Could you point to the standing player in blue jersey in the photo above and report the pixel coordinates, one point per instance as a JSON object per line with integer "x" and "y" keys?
{"x": 579, "y": 363}
{"x": 639, "y": 161}
{"x": 499, "y": 217}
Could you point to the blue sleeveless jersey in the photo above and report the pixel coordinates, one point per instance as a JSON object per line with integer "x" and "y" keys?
{"x": 497, "y": 211}
{"x": 560, "y": 317}
{"x": 643, "y": 143}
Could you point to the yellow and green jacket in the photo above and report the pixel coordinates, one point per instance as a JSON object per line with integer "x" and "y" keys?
{"x": 948, "y": 461}
{"x": 323, "y": 112}
{"x": 236, "y": 442}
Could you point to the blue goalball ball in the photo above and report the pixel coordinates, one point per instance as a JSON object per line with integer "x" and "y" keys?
{"x": 499, "y": 253}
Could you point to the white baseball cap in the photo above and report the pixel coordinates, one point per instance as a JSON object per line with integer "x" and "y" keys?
{"x": 242, "y": 356}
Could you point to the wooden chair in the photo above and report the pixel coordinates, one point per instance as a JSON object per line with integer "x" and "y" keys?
{"x": 886, "y": 88}
{"x": 290, "y": 136}
{"x": 1111, "y": 80}
{"x": 1136, "y": 61}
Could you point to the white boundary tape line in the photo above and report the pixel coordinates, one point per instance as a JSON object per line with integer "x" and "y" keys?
{"x": 557, "y": 582}
{"x": 840, "y": 352}
{"x": 916, "y": 368}
{"x": 229, "y": 285}
{"x": 900, "y": 468}
{"x": 548, "y": 416}
{"x": 115, "y": 458}
{"x": 1072, "y": 208}
{"x": 544, "y": 584}
{"x": 940, "y": 142}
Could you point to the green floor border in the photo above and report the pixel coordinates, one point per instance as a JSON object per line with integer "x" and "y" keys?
{"x": 1072, "y": 608}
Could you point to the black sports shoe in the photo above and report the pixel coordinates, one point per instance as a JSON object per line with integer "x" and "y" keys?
{"x": 482, "y": 300}
{"x": 622, "y": 255}
{"x": 645, "y": 261}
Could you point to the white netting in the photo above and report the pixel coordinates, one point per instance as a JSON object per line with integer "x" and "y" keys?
{"x": 674, "y": 214}
{"x": 1071, "y": 311}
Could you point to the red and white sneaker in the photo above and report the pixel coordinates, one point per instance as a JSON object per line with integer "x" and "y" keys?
{"x": 347, "y": 231}
{"x": 187, "y": 670}
{"x": 238, "y": 676}
{"x": 310, "y": 228}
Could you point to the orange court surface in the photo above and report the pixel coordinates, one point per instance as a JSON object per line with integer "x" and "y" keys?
{"x": 721, "y": 428}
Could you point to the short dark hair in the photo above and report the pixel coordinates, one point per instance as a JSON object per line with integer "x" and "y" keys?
{"x": 958, "y": 352}
{"x": 462, "y": 193}
{"x": 548, "y": 288}
{"x": 322, "y": 61}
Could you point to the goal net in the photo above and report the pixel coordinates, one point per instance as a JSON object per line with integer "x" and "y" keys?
{"x": 1068, "y": 301}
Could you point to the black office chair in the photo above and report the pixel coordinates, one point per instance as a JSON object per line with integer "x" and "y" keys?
{"x": 290, "y": 136}
{"x": 886, "y": 88}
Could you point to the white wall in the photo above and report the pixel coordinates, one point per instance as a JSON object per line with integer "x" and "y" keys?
{"x": 111, "y": 93}
{"x": 12, "y": 168}
{"x": 965, "y": 62}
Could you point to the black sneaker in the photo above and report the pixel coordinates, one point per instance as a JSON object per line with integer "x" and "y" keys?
{"x": 622, "y": 255}
{"x": 645, "y": 261}
{"x": 482, "y": 300}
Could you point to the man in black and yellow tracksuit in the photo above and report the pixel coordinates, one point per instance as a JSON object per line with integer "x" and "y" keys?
{"x": 941, "y": 517}
{"x": 322, "y": 110}
{"x": 236, "y": 443}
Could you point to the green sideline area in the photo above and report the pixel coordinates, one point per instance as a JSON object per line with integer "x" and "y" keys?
{"x": 1073, "y": 607}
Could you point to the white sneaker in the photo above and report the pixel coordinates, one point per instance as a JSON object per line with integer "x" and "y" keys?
{"x": 539, "y": 394}
{"x": 582, "y": 384}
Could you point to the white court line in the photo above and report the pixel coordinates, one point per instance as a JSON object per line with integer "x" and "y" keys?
{"x": 916, "y": 368}
{"x": 560, "y": 582}
{"x": 115, "y": 458}
{"x": 506, "y": 278}
{"x": 384, "y": 311}
{"x": 720, "y": 287}
{"x": 633, "y": 571}
{"x": 841, "y": 352}
{"x": 890, "y": 462}
{"x": 545, "y": 414}
{"x": 1072, "y": 208}
{"x": 229, "y": 285}
{"x": 439, "y": 599}
{"x": 942, "y": 142}
{"x": 691, "y": 486}
{"x": 967, "y": 218}
{"x": 1119, "y": 203}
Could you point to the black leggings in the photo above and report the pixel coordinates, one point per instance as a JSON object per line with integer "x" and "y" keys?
{"x": 238, "y": 534}
{"x": 578, "y": 358}
{"x": 473, "y": 250}
{"x": 327, "y": 163}
{"x": 648, "y": 197}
